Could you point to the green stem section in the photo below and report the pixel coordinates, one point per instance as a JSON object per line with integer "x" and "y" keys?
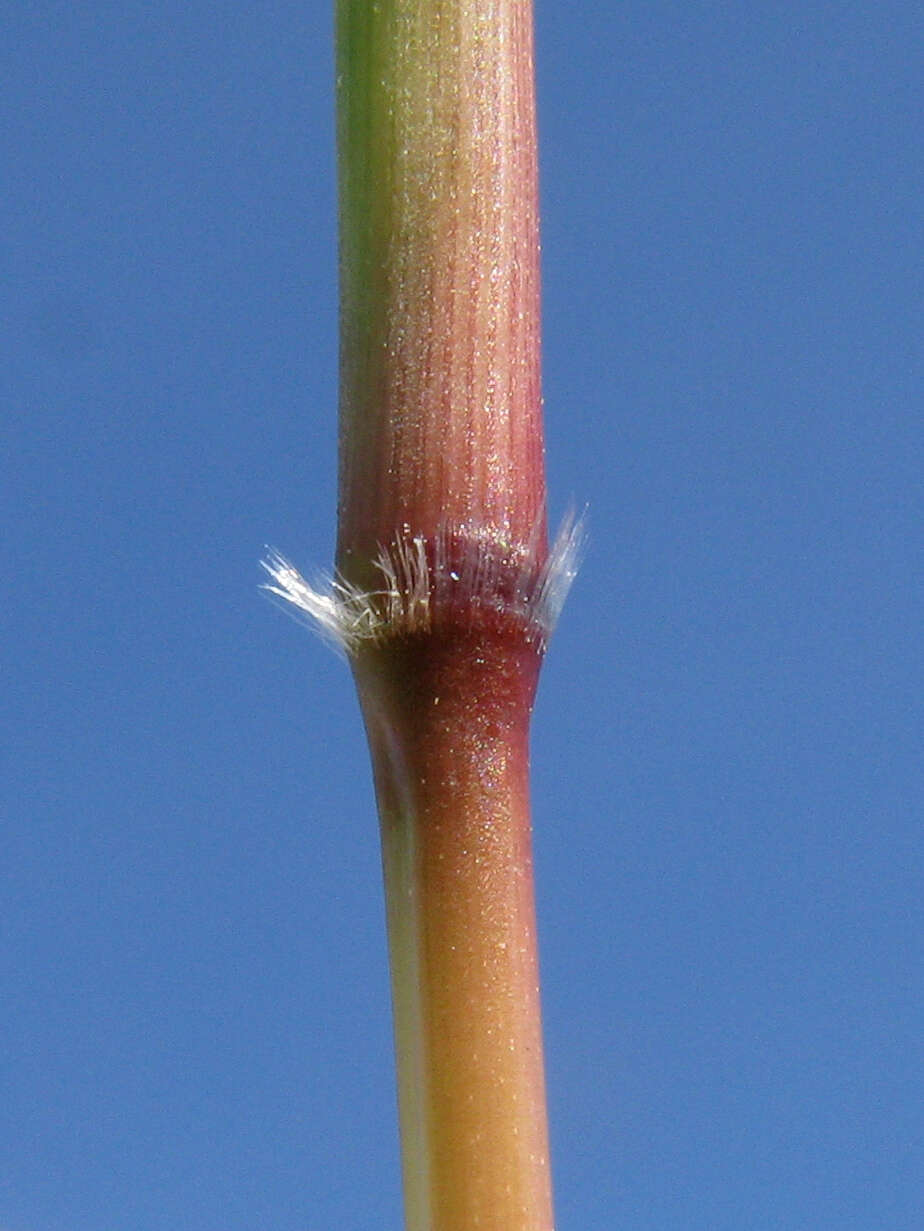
{"x": 440, "y": 401}
{"x": 448, "y": 720}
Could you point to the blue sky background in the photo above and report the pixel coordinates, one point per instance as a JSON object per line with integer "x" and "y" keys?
{"x": 194, "y": 1029}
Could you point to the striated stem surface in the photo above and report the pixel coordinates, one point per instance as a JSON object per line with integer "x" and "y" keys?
{"x": 440, "y": 411}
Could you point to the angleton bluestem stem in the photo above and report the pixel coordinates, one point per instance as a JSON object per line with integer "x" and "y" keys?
{"x": 446, "y": 591}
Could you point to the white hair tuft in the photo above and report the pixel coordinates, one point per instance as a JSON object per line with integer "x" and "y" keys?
{"x": 457, "y": 571}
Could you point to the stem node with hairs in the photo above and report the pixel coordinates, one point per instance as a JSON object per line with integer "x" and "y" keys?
{"x": 446, "y": 590}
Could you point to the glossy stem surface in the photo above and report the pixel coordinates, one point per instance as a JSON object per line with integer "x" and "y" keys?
{"x": 447, "y": 718}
